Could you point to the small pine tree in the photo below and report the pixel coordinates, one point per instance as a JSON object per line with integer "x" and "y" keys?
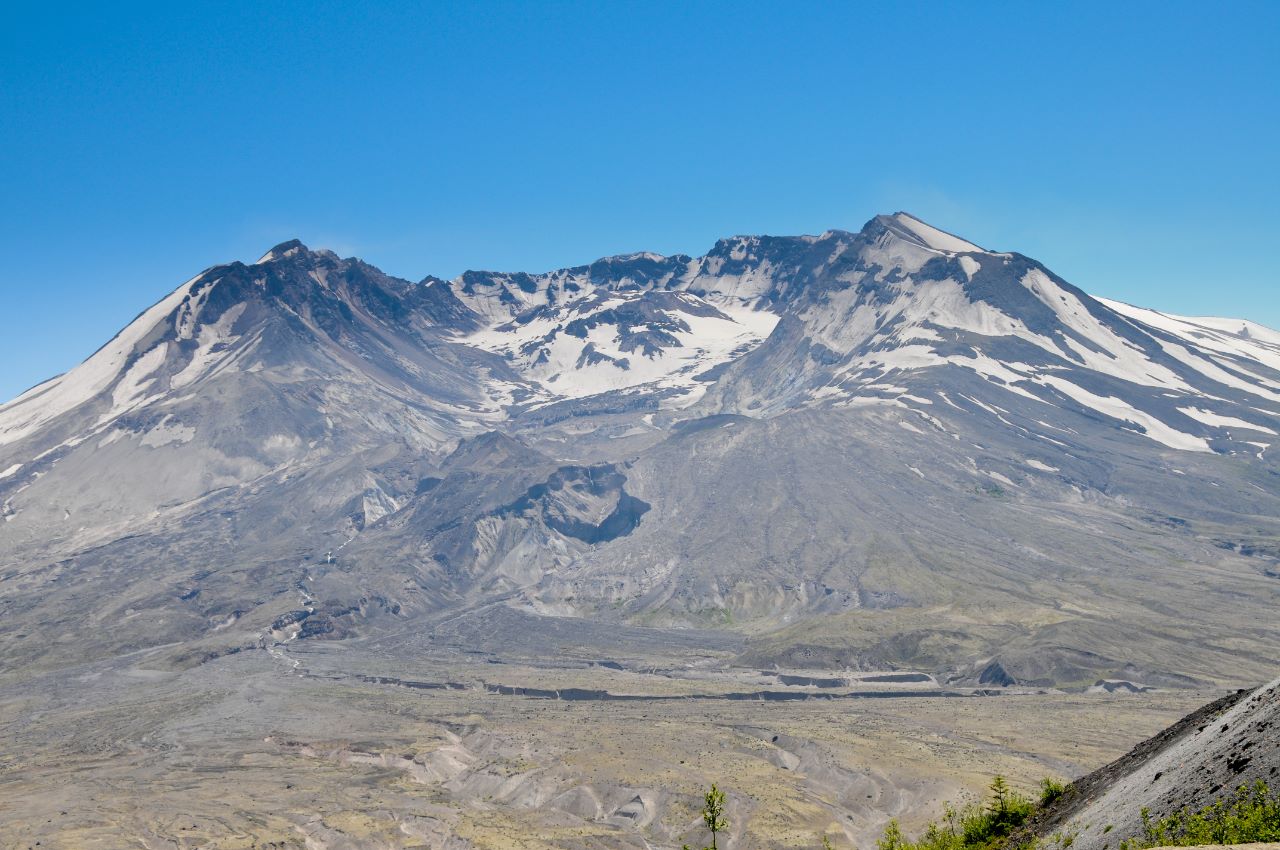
{"x": 713, "y": 815}
{"x": 999, "y": 805}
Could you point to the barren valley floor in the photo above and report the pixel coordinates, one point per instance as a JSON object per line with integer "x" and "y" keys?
{"x": 341, "y": 746}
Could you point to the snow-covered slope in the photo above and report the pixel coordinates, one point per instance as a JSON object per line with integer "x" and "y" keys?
{"x": 246, "y": 319}
{"x": 1237, "y": 353}
{"x": 117, "y": 364}
{"x": 617, "y": 340}
{"x": 241, "y": 372}
{"x": 914, "y": 302}
{"x": 927, "y": 235}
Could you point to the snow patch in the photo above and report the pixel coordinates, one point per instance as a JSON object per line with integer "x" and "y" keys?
{"x": 1217, "y": 420}
{"x": 1115, "y": 408}
{"x": 571, "y": 366}
{"x": 213, "y": 347}
{"x": 933, "y": 237}
{"x": 1003, "y": 479}
{"x": 1244, "y": 344}
{"x": 167, "y": 433}
{"x": 131, "y": 391}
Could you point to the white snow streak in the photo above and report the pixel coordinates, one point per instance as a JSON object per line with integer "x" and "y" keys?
{"x": 1116, "y": 408}
{"x": 1217, "y": 420}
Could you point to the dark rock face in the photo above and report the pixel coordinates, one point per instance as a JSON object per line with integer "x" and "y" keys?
{"x": 994, "y": 674}
{"x": 571, "y": 500}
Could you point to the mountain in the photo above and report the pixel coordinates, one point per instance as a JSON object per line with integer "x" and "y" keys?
{"x": 884, "y": 449}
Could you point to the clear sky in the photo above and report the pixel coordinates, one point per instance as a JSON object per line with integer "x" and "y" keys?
{"x": 1132, "y": 147}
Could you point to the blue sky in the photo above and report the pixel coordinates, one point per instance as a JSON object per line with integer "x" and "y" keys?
{"x": 1131, "y": 147}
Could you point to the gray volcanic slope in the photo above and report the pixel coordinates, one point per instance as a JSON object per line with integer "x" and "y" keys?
{"x": 1232, "y": 742}
{"x": 889, "y": 448}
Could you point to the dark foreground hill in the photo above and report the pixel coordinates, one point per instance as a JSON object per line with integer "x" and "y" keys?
{"x": 1198, "y": 761}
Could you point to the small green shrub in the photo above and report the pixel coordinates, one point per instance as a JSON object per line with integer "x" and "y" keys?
{"x": 1051, "y": 790}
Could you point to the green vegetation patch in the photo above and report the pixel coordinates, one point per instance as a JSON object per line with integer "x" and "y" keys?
{"x": 977, "y": 825}
{"x": 1251, "y": 814}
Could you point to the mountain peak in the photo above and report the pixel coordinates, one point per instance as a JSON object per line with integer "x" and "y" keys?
{"x": 908, "y": 227}
{"x": 284, "y": 249}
